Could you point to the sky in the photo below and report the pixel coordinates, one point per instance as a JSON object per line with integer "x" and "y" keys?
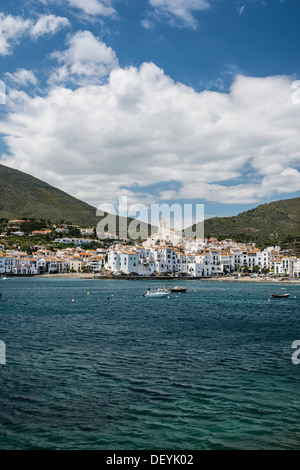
{"x": 162, "y": 101}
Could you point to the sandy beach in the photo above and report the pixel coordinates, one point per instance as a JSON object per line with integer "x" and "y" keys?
{"x": 179, "y": 280}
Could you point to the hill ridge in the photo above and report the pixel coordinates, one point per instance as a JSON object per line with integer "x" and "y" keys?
{"x": 23, "y": 195}
{"x": 276, "y": 220}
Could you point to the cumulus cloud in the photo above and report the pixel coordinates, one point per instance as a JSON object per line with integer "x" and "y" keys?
{"x": 14, "y": 28}
{"x": 86, "y": 60}
{"x": 140, "y": 127}
{"x": 48, "y": 24}
{"x": 179, "y": 12}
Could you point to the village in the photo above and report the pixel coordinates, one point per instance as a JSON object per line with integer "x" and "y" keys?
{"x": 165, "y": 253}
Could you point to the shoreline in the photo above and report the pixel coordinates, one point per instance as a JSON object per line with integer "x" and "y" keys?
{"x": 160, "y": 278}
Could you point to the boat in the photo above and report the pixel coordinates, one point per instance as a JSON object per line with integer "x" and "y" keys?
{"x": 157, "y": 293}
{"x": 178, "y": 289}
{"x": 280, "y": 294}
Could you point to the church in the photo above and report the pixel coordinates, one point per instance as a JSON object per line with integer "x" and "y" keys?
{"x": 164, "y": 235}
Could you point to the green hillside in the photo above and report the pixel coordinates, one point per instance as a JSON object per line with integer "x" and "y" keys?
{"x": 273, "y": 222}
{"x": 22, "y": 195}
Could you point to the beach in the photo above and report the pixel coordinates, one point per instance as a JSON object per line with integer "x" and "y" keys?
{"x": 295, "y": 281}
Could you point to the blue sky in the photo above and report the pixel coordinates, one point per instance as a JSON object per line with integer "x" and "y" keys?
{"x": 160, "y": 100}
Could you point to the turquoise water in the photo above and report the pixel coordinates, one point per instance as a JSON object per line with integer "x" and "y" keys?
{"x": 209, "y": 369}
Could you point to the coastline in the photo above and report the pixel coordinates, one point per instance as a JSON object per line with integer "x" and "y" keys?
{"x": 168, "y": 278}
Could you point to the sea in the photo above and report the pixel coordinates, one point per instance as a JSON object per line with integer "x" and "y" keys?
{"x": 93, "y": 364}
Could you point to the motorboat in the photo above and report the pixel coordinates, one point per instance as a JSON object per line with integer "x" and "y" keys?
{"x": 157, "y": 293}
{"x": 178, "y": 289}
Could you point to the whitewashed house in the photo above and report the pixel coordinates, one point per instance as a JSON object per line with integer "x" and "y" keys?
{"x": 7, "y": 264}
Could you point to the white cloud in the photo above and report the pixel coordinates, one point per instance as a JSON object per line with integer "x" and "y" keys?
{"x": 88, "y": 7}
{"x": 86, "y": 60}
{"x": 22, "y": 77}
{"x": 48, "y": 24}
{"x": 141, "y": 128}
{"x": 147, "y": 24}
{"x": 179, "y": 11}
{"x": 14, "y": 28}
{"x": 93, "y": 7}
{"x": 11, "y": 30}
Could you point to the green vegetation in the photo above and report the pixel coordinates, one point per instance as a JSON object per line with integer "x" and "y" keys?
{"x": 29, "y": 241}
{"x": 24, "y": 197}
{"x": 275, "y": 223}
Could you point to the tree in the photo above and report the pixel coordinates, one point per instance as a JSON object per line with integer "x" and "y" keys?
{"x": 74, "y": 232}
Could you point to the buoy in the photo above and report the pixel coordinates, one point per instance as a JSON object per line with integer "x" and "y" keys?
{"x": 88, "y": 293}
{"x": 25, "y": 303}
{"x": 73, "y": 300}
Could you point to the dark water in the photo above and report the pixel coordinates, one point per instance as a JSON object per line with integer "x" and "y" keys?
{"x": 210, "y": 369}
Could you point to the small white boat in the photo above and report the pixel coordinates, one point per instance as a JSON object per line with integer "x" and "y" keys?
{"x": 157, "y": 293}
{"x": 6, "y": 278}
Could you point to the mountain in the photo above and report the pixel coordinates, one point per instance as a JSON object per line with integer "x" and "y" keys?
{"x": 22, "y": 195}
{"x": 275, "y": 221}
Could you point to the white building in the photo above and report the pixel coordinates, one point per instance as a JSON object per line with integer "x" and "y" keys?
{"x": 96, "y": 263}
{"x": 296, "y": 272}
{"x": 283, "y": 265}
{"x": 7, "y": 264}
{"x": 164, "y": 235}
{"x": 122, "y": 261}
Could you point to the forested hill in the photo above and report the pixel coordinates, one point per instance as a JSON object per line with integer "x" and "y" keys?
{"x": 277, "y": 221}
{"x": 22, "y": 195}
